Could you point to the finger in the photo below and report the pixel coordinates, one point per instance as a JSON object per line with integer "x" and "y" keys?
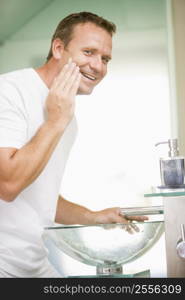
{"x": 129, "y": 229}
{"x": 58, "y": 79}
{"x": 71, "y": 81}
{"x": 137, "y": 218}
{"x": 76, "y": 84}
{"x": 135, "y": 227}
{"x": 109, "y": 226}
{"x": 65, "y": 75}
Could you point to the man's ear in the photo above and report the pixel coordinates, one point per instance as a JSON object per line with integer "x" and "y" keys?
{"x": 57, "y": 48}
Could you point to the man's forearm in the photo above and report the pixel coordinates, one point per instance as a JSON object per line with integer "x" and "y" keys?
{"x": 25, "y": 164}
{"x": 71, "y": 213}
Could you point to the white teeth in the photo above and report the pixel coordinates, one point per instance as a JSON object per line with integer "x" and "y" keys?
{"x": 88, "y": 76}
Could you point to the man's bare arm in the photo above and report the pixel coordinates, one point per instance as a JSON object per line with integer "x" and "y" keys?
{"x": 71, "y": 213}
{"x": 19, "y": 168}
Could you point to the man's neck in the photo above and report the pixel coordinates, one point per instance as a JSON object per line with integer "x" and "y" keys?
{"x": 48, "y": 72}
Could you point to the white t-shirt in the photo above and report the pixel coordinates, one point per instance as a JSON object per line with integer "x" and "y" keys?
{"x": 22, "y": 112}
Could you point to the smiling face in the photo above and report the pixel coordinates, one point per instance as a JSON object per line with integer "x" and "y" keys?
{"x": 90, "y": 48}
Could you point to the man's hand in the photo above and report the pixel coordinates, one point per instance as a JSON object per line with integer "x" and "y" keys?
{"x": 114, "y": 215}
{"x": 60, "y": 102}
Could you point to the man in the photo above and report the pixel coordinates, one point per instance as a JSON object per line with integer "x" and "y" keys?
{"x": 37, "y": 129}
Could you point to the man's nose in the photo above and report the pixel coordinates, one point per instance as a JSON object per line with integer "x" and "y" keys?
{"x": 96, "y": 64}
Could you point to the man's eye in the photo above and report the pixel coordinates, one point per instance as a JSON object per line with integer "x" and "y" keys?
{"x": 88, "y": 52}
{"x": 105, "y": 60}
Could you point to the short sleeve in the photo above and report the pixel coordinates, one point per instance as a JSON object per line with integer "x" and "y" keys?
{"x": 13, "y": 123}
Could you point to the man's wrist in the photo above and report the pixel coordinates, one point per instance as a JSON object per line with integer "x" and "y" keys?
{"x": 90, "y": 217}
{"x": 58, "y": 126}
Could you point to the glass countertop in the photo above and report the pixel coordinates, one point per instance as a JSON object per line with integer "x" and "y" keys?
{"x": 104, "y": 226}
{"x": 166, "y": 193}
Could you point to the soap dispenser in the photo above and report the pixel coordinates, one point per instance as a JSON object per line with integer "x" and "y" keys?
{"x": 172, "y": 166}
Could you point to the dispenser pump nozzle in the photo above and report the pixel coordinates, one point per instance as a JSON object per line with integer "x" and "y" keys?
{"x": 173, "y": 147}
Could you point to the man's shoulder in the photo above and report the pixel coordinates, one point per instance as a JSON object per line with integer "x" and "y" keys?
{"x": 13, "y": 85}
{"x": 16, "y": 82}
{"x": 16, "y": 76}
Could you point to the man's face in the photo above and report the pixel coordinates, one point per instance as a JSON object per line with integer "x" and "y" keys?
{"x": 90, "y": 48}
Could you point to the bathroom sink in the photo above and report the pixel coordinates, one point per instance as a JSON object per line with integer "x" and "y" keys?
{"x": 106, "y": 245}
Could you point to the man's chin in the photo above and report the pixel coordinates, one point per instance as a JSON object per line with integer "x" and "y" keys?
{"x": 84, "y": 91}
